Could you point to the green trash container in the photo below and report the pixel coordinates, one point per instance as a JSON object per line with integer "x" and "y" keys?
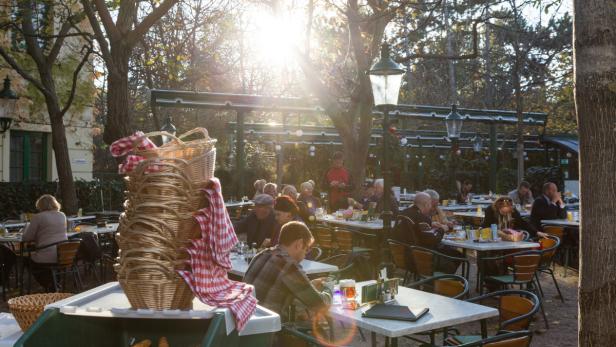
{"x": 102, "y": 317}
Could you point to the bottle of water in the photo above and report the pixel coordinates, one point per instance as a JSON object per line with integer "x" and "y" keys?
{"x": 494, "y": 228}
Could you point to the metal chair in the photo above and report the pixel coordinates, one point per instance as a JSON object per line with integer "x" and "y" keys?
{"x": 510, "y": 339}
{"x": 452, "y": 286}
{"x": 425, "y": 261}
{"x": 565, "y": 248}
{"x": 516, "y": 309}
{"x": 324, "y": 238}
{"x": 549, "y": 248}
{"x": 523, "y": 269}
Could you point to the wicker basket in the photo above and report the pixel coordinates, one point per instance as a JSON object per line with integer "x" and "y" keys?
{"x": 28, "y": 308}
{"x": 155, "y": 288}
{"x": 178, "y": 149}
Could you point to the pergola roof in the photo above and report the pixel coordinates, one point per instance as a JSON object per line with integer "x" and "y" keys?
{"x": 248, "y": 102}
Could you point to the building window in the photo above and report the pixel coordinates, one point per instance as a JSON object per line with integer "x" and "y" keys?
{"x": 28, "y": 156}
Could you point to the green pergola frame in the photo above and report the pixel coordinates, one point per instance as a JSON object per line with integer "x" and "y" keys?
{"x": 244, "y": 103}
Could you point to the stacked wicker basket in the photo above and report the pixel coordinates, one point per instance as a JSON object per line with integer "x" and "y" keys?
{"x": 163, "y": 192}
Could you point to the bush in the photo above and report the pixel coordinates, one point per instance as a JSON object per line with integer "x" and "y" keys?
{"x": 19, "y": 197}
{"x": 538, "y": 175}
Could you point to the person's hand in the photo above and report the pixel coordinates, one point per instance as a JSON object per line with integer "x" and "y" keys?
{"x": 558, "y": 198}
{"x": 542, "y": 234}
{"x": 318, "y": 283}
{"x": 266, "y": 243}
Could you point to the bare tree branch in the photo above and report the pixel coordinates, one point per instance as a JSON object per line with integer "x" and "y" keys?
{"x": 140, "y": 30}
{"x": 76, "y": 73}
{"x": 55, "y": 49}
{"x": 23, "y": 73}
{"x": 110, "y": 27}
{"x": 98, "y": 32}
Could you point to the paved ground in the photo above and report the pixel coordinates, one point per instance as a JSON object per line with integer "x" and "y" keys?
{"x": 562, "y": 316}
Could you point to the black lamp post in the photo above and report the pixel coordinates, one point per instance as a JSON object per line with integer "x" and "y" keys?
{"x": 8, "y": 103}
{"x": 386, "y": 79}
{"x": 454, "y": 127}
{"x": 168, "y": 127}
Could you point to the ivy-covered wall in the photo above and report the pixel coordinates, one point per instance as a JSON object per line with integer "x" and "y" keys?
{"x": 20, "y": 197}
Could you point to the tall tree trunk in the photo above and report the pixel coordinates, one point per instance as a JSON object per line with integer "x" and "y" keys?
{"x": 63, "y": 165}
{"x": 595, "y": 101}
{"x": 59, "y": 144}
{"x": 118, "y": 123}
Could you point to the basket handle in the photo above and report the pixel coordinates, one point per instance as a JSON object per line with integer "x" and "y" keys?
{"x": 163, "y": 133}
{"x": 202, "y": 131}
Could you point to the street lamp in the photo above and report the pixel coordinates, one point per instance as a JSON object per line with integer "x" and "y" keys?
{"x": 168, "y": 127}
{"x": 477, "y": 143}
{"x": 453, "y": 122}
{"x": 386, "y": 79}
{"x": 8, "y": 103}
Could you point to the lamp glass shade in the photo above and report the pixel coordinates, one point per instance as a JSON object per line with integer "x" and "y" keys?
{"x": 385, "y": 89}
{"x": 454, "y": 123}
{"x": 477, "y": 143}
{"x": 386, "y": 79}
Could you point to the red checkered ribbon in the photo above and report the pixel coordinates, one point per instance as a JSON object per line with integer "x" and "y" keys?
{"x": 127, "y": 145}
{"x": 209, "y": 261}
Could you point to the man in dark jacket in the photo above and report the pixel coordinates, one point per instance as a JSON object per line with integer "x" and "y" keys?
{"x": 420, "y": 232}
{"x": 550, "y": 205}
{"x": 260, "y": 223}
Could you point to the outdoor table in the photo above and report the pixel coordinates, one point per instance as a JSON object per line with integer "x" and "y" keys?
{"x": 239, "y": 266}
{"x": 443, "y": 312}
{"x": 238, "y": 204}
{"x": 371, "y": 225}
{"x": 16, "y": 238}
{"x": 482, "y": 214}
{"x": 482, "y": 247}
{"x": 69, "y": 219}
{"x": 482, "y": 201}
{"x": 561, "y": 222}
{"x": 455, "y": 208}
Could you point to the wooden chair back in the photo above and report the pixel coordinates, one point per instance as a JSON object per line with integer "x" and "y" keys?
{"x": 423, "y": 262}
{"x": 344, "y": 240}
{"x": 323, "y": 237}
{"x": 67, "y": 252}
{"x": 448, "y": 287}
{"x": 522, "y": 341}
{"x": 398, "y": 255}
{"x": 512, "y": 306}
{"x": 557, "y": 231}
{"x": 525, "y": 266}
{"x": 549, "y": 250}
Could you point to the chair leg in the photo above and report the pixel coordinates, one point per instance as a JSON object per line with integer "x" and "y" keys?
{"x": 56, "y": 282}
{"x": 538, "y": 284}
{"x": 545, "y": 318}
{"x": 566, "y": 265}
{"x": 562, "y": 298}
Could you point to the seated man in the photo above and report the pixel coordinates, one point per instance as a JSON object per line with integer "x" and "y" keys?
{"x": 550, "y": 205}
{"x": 260, "y": 224}
{"x": 379, "y": 193}
{"x": 424, "y": 234}
{"x": 278, "y": 278}
{"x": 439, "y": 219}
{"x": 522, "y": 196}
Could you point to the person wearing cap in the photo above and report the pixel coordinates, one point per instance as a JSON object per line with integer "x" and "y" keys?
{"x": 285, "y": 210}
{"x": 260, "y": 223}
{"x": 337, "y": 182}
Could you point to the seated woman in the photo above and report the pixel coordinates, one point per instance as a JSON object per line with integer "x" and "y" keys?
{"x": 307, "y": 202}
{"x": 507, "y": 218}
{"x": 46, "y": 228}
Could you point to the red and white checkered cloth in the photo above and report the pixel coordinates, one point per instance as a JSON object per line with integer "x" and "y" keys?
{"x": 127, "y": 145}
{"x": 209, "y": 260}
